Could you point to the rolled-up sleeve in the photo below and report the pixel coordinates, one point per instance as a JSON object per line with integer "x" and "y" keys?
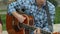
{"x": 18, "y": 4}
{"x": 11, "y": 7}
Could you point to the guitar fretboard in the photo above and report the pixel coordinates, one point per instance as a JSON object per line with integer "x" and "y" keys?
{"x": 32, "y": 28}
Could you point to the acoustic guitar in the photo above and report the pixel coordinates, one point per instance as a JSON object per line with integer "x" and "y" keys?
{"x": 13, "y": 26}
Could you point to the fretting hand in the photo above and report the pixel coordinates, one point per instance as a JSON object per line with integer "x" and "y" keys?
{"x": 37, "y": 31}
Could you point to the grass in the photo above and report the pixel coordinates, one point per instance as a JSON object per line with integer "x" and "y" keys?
{"x": 3, "y": 10}
{"x": 57, "y": 18}
{"x": 57, "y": 15}
{"x": 3, "y": 17}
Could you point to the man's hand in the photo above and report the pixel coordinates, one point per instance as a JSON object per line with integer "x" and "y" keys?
{"x": 37, "y": 31}
{"x": 19, "y": 17}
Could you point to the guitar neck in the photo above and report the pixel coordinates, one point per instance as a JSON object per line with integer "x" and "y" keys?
{"x": 32, "y": 28}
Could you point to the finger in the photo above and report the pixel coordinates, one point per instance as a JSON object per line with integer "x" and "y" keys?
{"x": 35, "y": 32}
{"x": 38, "y": 31}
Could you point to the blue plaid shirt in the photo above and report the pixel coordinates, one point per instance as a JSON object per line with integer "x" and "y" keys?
{"x": 40, "y": 16}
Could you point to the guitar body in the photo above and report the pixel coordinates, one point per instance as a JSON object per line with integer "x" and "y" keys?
{"x": 12, "y": 24}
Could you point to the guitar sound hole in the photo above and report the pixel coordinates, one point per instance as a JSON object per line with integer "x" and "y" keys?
{"x": 16, "y": 28}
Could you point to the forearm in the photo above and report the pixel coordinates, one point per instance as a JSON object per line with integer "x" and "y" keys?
{"x": 18, "y": 16}
{"x": 15, "y": 14}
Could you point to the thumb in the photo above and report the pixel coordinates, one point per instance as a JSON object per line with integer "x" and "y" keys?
{"x": 35, "y": 31}
{"x": 38, "y": 31}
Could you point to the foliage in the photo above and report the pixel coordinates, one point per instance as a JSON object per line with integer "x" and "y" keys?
{"x": 57, "y": 15}
{"x": 3, "y": 17}
{"x": 54, "y": 2}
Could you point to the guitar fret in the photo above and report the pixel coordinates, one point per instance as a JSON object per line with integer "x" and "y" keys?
{"x": 33, "y": 28}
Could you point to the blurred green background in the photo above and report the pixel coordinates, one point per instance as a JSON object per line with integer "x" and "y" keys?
{"x": 3, "y": 11}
